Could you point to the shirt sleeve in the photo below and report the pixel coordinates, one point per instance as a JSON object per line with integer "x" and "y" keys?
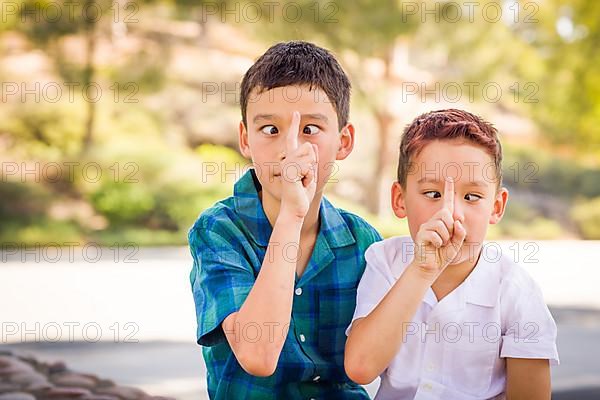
{"x": 374, "y": 283}
{"x": 221, "y": 280}
{"x": 529, "y": 329}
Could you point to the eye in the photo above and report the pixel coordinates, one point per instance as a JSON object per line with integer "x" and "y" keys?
{"x": 472, "y": 197}
{"x": 311, "y": 130}
{"x": 269, "y": 130}
{"x": 432, "y": 194}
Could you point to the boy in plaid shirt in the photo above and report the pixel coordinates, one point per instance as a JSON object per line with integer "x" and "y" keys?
{"x": 276, "y": 266}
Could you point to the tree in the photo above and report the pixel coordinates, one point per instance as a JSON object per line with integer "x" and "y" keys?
{"x": 365, "y": 30}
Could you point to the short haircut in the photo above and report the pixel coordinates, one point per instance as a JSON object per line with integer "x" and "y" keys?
{"x": 299, "y": 63}
{"x": 448, "y": 125}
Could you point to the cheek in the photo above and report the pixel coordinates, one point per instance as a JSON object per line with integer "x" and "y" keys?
{"x": 476, "y": 221}
{"x": 417, "y": 214}
{"x": 264, "y": 150}
{"x": 327, "y": 165}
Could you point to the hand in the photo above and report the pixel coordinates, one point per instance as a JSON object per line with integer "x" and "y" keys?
{"x": 298, "y": 172}
{"x": 440, "y": 239}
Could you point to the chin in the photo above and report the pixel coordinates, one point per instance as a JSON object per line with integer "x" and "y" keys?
{"x": 464, "y": 256}
{"x": 270, "y": 189}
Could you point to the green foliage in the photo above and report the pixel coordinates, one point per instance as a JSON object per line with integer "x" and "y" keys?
{"x": 586, "y": 214}
{"x": 46, "y": 131}
{"x": 123, "y": 203}
{"x": 523, "y": 222}
{"x": 536, "y": 170}
{"x": 387, "y": 226}
{"x": 23, "y": 212}
{"x": 42, "y": 231}
{"x": 157, "y": 188}
{"x": 22, "y": 202}
{"x": 148, "y": 140}
{"x": 541, "y": 53}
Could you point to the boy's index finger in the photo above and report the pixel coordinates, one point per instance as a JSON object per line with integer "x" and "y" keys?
{"x": 292, "y": 136}
{"x": 449, "y": 194}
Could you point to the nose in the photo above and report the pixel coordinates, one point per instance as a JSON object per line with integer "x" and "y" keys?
{"x": 458, "y": 213}
{"x": 281, "y": 154}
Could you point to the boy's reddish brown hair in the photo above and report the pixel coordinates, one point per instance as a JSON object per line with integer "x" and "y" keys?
{"x": 448, "y": 125}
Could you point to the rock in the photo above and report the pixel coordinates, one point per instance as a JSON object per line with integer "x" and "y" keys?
{"x": 17, "y": 396}
{"x": 64, "y": 393}
{"x": 28, "y": 378}
{"x": 73, "y": 380}
{"x": 56, "y": 367}
{"x": 22, "y": 377}
{"x": 99, "y": 397}
{"x": 9, "y": 387}
{"x": 27, "y": 357}
{"x": 104, "y": 383}
{"x": 124, "y": 392}
{"x": 12, "y": 365}
{"x": 37, "y": 386}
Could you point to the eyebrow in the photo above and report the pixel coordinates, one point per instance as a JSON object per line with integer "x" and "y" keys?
{"x": 266, "y": 117}
{"x": 470, "y": 183}
{"x": 318, "y": 116}
{"x": 271, "y": 117}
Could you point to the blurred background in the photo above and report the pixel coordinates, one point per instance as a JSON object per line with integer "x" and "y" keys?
{"x": 118, "y": 126}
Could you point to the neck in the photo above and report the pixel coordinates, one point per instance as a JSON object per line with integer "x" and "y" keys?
{"x": 455, "y": 274}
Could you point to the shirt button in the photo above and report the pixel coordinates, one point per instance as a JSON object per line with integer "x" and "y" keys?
{"x": 316, "y": 378}
{"x": 298, "y": 291}
{"x": 431, "y": 367}
{"x": 427, "y": 387}
{"x": 302, "y": 338}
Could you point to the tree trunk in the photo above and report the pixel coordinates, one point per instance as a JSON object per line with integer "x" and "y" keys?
{"x": 382, "y": 161}
{"x": 88, "y": 76}
{"x": 384, "y": 121}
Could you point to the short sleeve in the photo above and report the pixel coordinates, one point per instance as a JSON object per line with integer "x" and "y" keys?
{"x": 375, "y": 282}
{"x": 221, "y": 280}
{"x": 529, "y": 329}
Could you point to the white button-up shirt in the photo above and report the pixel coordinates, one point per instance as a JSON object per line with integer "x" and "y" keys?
{"x": 455, "y": 348}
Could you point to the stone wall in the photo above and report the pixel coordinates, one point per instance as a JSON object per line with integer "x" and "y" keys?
{"x": 23, "y": 377}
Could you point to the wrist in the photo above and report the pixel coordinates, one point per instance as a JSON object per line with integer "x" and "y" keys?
{"x": 288, "y": 216}
{"x": 421, "y": 274}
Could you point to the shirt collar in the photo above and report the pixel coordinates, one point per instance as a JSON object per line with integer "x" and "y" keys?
{"x": 481, "y": 286}
{"x": 483, "y": 283}
{"x": 249, "y": 208}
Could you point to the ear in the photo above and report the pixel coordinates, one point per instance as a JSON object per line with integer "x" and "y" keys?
{"x": 499, "y": 206}
{"x": 346, "y": 142}
{"x": 398, "y": 200}
{"x": 243, "y": 140}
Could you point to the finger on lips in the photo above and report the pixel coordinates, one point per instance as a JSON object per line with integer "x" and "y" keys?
{"x": 434, "y": 238}
{"x": 442, "y": 230}
{"x": 308, "y": 178}
{"x": 446, "y": 218}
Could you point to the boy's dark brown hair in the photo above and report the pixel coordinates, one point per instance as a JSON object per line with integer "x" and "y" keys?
{"x": 299, "y": 63}
{"x": 448, "y": 125}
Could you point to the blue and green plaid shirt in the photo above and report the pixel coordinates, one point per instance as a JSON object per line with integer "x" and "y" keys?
{"x": 228, "y": 243}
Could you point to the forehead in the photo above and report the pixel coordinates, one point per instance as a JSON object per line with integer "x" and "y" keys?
{"x": 459, "y": 159}
{"x": 282, "y": 101}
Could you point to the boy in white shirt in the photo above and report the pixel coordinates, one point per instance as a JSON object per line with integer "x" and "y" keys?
{"x": 440, "y": 314}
